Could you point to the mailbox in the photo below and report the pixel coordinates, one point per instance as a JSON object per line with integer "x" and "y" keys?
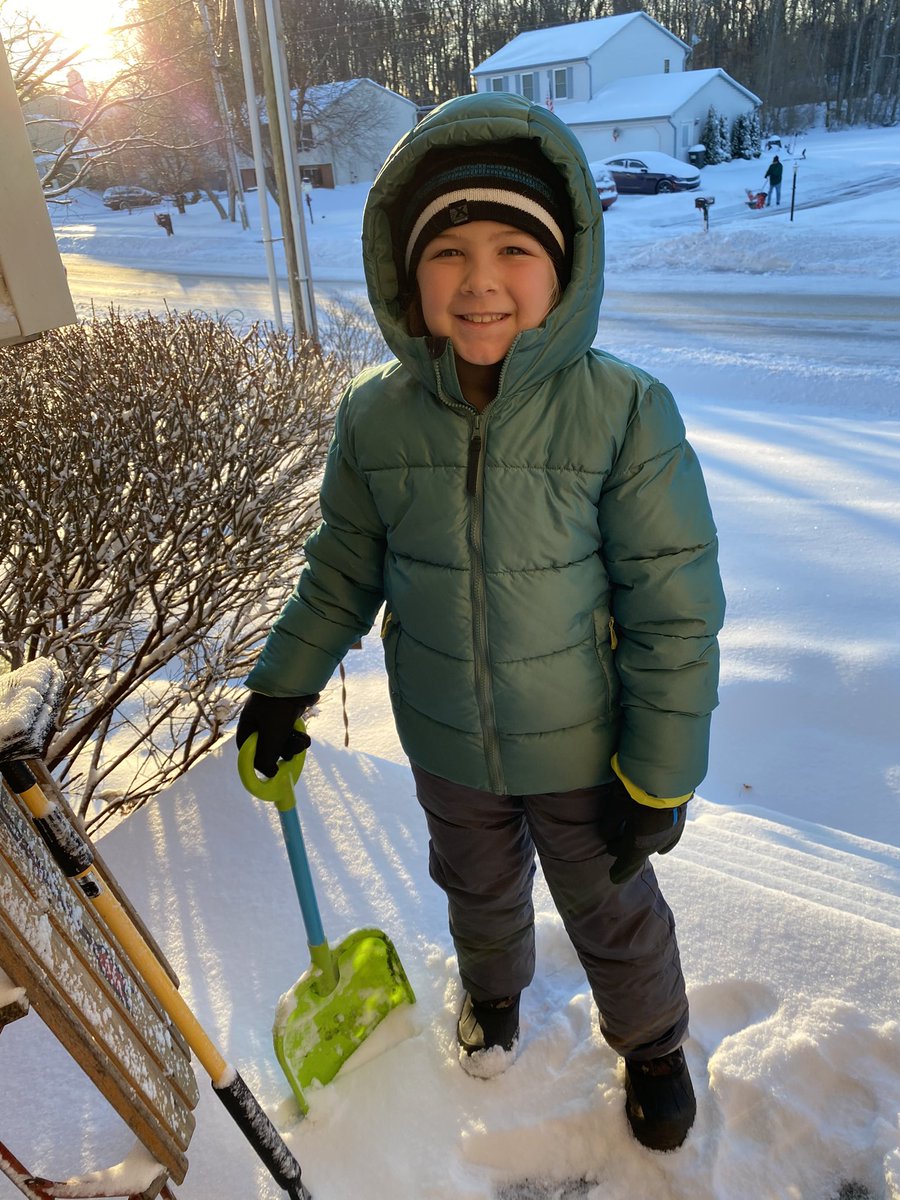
{"x": 704, "y": 203}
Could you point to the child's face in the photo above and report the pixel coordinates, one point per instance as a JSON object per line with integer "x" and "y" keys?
{"x": 481, "y": 284}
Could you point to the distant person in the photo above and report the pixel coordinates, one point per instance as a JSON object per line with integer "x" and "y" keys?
{"x": 537, "y": 527}
{"x": 774, "y": 173}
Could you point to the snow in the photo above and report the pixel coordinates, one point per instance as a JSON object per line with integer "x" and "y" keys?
{"x": 786, "y": 884}
{"x": 29, "y": 703}
{"x": 558, "y": 43}
{"x": 644, "y": 97}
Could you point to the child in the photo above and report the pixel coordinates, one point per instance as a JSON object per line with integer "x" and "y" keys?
{"x": 529, "y": 513}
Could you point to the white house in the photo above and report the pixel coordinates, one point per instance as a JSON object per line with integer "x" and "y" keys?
{"x": 655, "y": 112}
{"x": 348, "y": 129}
{"x": 345, "y": 131}
{"x": 619, "y": 82}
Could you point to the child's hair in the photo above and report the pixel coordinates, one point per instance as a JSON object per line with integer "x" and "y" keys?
{"x": 509, "y": 181}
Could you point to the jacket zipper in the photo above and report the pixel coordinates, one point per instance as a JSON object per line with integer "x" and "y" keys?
{"x": 484, "y": 693}
{"x": 482, "y": 663}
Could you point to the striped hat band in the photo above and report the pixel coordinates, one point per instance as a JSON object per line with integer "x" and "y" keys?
{"x": 510, "y": 183}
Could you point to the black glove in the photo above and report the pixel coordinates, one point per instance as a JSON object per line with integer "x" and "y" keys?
{"x": 272, "y": 719}
{"x": 643, "y": 831}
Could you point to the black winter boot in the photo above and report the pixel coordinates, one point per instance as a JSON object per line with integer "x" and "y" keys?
{"x": 659, "y": 1100}
{"x": 488, "y": 1035}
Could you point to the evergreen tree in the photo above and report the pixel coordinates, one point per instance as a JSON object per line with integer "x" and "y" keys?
{"x": 755, "y": 133}
{"x": 724, "y": 139}
{"x": 738, "y": 134}
{"x": 712, "y": 138}
{"x": 741, "y": 137}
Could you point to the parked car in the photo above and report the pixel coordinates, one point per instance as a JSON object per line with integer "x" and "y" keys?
{"x": 606, "y": 185}
{"x": 129, "y": 197}
{"x": 651, "y": 171}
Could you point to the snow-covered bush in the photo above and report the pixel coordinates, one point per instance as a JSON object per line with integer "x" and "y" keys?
{"x": 714, "y": 139}
{"x": 742, "y": 137}
{"x": 157, "y": 480}
{"x": 347, "y": 328}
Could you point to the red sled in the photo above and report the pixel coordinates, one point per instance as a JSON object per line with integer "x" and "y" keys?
{"x": 756, "y": 199}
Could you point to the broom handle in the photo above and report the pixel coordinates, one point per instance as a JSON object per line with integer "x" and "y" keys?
{"x": 76, "y": 860}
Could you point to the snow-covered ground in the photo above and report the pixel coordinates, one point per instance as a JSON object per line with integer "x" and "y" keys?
{"x": 786, "y": 885}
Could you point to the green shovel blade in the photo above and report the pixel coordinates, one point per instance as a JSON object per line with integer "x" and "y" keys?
{"x": 317, "y": 1030}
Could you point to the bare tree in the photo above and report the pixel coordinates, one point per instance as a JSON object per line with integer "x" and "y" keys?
{"x": 157, "y": 482}
{"x": 90, "y": 128}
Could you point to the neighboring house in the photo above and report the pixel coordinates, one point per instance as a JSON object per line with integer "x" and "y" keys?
{"x": 619, "y": 82}
{"x": 345, "y": 131}
{"x": 50, "y": 121}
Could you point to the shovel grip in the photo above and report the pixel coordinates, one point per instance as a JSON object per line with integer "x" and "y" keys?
{"x": 279, "y": 789}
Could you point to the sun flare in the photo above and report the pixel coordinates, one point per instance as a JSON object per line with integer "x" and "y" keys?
{"x": 84, "y": 24}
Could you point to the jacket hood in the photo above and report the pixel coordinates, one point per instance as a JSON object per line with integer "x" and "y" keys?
{"x": 567, "y": 333}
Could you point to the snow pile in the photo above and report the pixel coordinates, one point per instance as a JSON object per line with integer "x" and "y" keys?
{"x": 30, "y": 698}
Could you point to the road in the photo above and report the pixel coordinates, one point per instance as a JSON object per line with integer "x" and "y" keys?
{"x": 702, "y": 317}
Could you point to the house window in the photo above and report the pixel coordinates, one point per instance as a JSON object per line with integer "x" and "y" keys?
{"x": 560, "y": 83}
{"x": 666, "y": 62}
{"x": 498, "y": 84}
{"x": 528, "y": 88}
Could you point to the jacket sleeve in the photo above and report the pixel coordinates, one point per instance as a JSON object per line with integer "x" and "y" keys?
{"x": 340, "y": 589}
{"x": 660, "y": 550}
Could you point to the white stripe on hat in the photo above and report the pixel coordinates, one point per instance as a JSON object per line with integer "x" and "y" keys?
{"x": 508, "y": 199}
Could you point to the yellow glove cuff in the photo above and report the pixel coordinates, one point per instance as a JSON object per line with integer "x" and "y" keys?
{"x": 639, "y": 796}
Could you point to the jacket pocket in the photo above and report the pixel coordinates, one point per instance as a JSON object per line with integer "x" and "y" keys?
{"x": 605, "y": 642}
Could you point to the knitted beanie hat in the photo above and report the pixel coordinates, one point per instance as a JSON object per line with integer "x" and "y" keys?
{"x": 511, "y": 182}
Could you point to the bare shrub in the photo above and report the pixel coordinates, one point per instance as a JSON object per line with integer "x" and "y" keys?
{"x": 158, "y": 479}
{"x": 348, "y": 329}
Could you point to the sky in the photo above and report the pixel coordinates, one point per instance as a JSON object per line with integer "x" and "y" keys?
{"x": 82, "y": 23}
{"x": 786, "y": 884}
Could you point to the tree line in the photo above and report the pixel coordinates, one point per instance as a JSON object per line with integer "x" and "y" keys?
{"x": 161, "y": 118}
{"x": 791, "y": 53}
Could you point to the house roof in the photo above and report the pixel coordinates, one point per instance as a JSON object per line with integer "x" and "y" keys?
{"x": 562, "y": 43}
{"x": 644, "y": 97}
{"x": 320, "y": 96}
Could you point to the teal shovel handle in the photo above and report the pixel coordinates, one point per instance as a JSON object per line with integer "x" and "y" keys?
{"x": 279, "y": 790}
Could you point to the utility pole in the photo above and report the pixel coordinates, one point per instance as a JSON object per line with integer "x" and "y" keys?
{"x": 235, "y": 189}
{"x": 281, "y": 138}
{"x": 291, "y": 166}
{"x": 259, "y": 160}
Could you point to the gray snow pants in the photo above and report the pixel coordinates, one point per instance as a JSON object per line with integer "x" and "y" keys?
{"x": 482, "y": 854}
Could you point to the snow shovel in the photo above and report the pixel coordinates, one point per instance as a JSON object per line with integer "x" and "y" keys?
{"x": 30, "y": 698}
{"x": 349, "y": 988}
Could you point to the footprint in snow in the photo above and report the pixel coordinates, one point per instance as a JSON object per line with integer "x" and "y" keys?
{"x": 719, "y": 1010}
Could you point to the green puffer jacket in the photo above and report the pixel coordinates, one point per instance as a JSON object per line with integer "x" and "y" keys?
{"x": 548, "y": 566}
